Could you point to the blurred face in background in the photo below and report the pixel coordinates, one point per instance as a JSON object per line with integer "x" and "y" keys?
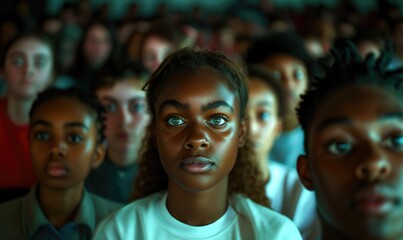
{"x": 97, "y": 45}
{"x": 28, "y": 67}
{"x": 263, "y": 116}
{"x": 155, "y": 50}
{"x": 126, "y": 118}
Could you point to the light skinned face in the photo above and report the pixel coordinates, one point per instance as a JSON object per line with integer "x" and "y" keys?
{"x": 263, "y": 119}
{"x": 28, "y": 68}
{"x": 354, "y": 163}
{"x": 198, "y": 131}
{"x": 126, "y": 118}
{"x": 293, "y": 76}
{"x": 155, "y": 50}
{"x": 64, "y": 145}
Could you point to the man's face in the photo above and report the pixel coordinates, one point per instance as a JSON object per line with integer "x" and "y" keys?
{"x": 354, "y": 163}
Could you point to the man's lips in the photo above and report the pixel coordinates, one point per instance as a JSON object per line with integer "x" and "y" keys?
{"x": 376, "y": 200}
{"x": 197, "y": 164}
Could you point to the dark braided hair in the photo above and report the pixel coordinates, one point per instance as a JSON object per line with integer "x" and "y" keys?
{"x": 348, "y": 69}
{"x": 84, "y": 97}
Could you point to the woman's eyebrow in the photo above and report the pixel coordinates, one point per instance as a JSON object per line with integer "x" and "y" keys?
{"x": 217, "y": 104}
{"x": 173, "y": 103}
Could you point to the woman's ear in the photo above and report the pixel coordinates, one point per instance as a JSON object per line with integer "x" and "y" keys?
{"x": 243, "y": 130}
{"x": 99, "y": 156}
{"x": 304, "y": 172}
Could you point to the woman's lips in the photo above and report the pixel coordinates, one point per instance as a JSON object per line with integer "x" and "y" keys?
{"x": 56, "y": 169}
{"x": 197, "y": 164}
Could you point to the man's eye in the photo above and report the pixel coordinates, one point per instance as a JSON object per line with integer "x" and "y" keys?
{"x": 339, "y": 148}
{"x": 217, "y": 121}
{"x": 395, "y": 142}
{"x": 110, "y": 107}
{"x": 41, "y": 136}
{"x": 75, "y": 138}
{"x": 265, "y": 116}
{"x": 175, "y": 121}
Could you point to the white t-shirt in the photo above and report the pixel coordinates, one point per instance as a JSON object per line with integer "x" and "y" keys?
{"x": 289, "y": 197}
{"x": 148, "y": 218}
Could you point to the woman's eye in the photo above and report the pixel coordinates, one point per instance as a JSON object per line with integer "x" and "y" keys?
{"x": 41, "y": 136}
{"x": 276, "y": 74}
{"x": 265, "y": 116}
{"x": 217, "y": 121}
{"x": 299, "y": 74}
{"x": 18, "y": 61}
{"x": 395, "y": 142}
{"x": 175, "y": 121}
{"x": 110, "y": 107}
{"x": 40, "y": 63}
{"x": 137, "y": 107}
{"x": 75, "y": 138}
{"x": 339, "y": 148}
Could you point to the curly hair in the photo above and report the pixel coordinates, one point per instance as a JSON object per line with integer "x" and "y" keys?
{"x": 348, "y": 69}
{"x": 244, "y": 178}
{"x": 86, "y": 98}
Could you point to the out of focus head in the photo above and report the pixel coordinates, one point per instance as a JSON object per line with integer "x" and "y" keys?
{"x": 120, "y": 91}
{"x": 65, "y": 136}
{"x": 352, "y": 118}
{"x": 284, "y": 55}
{"x": 97, "y": 44}
{"x": 28, "y": 65}
{"x": 265, "y": 109}
{"x": 157, "y": 44}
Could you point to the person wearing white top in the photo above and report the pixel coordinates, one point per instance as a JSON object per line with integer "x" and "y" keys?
{"x": 149, "y": 218}
{"x": 283, "y": 187}
{"x": 195, "y": 153}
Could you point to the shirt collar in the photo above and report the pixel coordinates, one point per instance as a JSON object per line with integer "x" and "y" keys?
{"x": 34, "y": 218}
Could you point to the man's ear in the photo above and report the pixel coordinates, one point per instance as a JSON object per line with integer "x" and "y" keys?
{"x": 304, "y": 172}
{"x": 243, "y": 131}
{"x": 99, "y": 156}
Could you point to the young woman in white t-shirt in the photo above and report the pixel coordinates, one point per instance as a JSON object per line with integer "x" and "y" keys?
{"x": 197, "y": 179}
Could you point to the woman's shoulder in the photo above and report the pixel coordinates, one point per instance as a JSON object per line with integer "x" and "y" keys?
{"x": 266, "y": 221}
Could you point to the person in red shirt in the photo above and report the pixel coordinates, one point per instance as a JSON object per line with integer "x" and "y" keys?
{"x": 28, "y": 68}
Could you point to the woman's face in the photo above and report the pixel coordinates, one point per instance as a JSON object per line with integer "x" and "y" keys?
{"x": 155, "y": 50}
{"x": 198, "y": 130}
{"x": 28, "y": 67}
{"x": 97, "y": 45}
{"x": 263, "y": 117}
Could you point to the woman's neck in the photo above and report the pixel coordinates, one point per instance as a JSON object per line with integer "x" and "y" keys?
{"x": 60, "y": 206}
{"x": 198, "y": 208}
{"x": 18, "y": 110}
{"x": 122, "y": 158}
{"x": 263, "y": 164}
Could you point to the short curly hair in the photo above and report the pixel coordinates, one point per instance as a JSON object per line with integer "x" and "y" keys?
{"x": 348, "y": 69}
{"x": 245, "y": 176}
